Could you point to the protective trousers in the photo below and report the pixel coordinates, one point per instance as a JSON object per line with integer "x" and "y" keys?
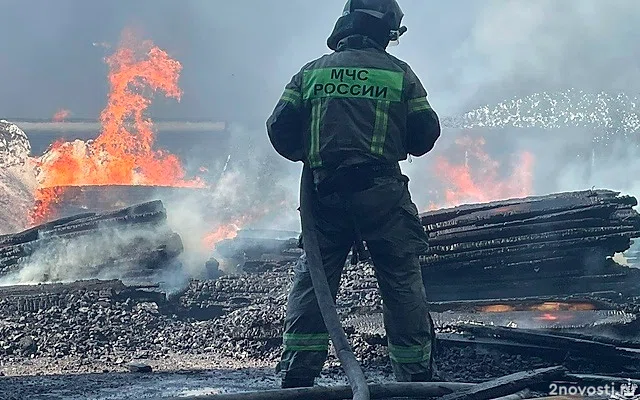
{"x": 389, "y": 223}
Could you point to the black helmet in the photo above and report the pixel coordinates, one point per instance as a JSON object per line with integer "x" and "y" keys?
{"x": 382, "y": 9}
{"x": 378, "y": 19}
{"x": 386, "y": 10}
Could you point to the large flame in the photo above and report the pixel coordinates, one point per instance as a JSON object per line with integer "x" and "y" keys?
{"x": 478, "y": 179}
{"x": 123, "y": 153}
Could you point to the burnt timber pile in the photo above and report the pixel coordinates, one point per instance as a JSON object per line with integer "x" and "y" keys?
{"x": 543, "y": 247}
{"x": 132, "y": 242}
{"x": 559, "y": 244}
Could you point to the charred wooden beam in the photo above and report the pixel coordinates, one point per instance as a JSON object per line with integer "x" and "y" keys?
{"x": 453, "y": 291}
{"x": 547, "y": 239}
{"x": 621, "y": 343}
{"x": 506, "y": 385}
{"x": 610, "y": 242}
{"x": 514, "y": 228}
{"x": 558, "y": 200}
{"x": 576, "y": 348}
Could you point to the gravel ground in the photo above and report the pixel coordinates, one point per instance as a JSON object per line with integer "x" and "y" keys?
{"x": 224, "y": 335}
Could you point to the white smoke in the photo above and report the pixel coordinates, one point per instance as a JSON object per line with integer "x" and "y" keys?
{"x": 252, "y": 190}
{"x": 104, "y": 253}
{"x": 557, "y": 79}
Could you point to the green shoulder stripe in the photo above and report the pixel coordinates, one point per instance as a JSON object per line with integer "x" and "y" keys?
{"x": 418, "y": 104}
{"x": 291, "y": 96}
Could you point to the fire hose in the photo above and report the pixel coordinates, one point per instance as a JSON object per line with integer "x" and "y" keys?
{"x": 350, "y": 364}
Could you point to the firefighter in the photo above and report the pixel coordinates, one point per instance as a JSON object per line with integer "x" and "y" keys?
{"x": 351, "y": 116}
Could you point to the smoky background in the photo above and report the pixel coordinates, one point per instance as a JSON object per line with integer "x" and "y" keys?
{"x": 238, "y": 55}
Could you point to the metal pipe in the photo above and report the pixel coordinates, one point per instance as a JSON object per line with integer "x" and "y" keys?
{"x": 377, "y": 391}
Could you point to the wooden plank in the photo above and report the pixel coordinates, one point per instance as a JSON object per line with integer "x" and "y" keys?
{"x": 508, "y": 384}
{"x": 541, "y": 339}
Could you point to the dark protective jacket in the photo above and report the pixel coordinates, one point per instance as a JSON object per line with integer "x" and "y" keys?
{"x": 358, "y": 105}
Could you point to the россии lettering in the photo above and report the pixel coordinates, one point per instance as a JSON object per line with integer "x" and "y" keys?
{"x": 354, "y": 89}
{"x": 354, "y": 83}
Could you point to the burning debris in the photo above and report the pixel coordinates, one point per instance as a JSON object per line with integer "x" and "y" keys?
{"x": 478, "y": 178}
{"x": 131, "y": 243}
{"x": 240, "y": 315}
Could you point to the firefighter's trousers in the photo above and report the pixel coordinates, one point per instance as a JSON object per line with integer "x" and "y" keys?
{"x": 388, "y": 221}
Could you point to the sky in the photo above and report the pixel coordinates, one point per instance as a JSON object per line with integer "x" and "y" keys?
{"x": 238, "y": 55}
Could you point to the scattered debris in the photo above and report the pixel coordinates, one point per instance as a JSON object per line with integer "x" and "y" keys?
{"x": 506, "y": 385}
{"x": 14, "y": 145}
{"x": 490, "y": 330}
{"x": 139, "y": 367}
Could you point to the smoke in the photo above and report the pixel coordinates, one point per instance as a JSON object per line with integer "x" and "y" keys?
{"x": 258, "y": 185}
{"x": 557, "y": 79}
{"x": 578, "y": 55}
{"x": 116, "y": 253}
{"x": 237, "y": 57}
{"x": 255, "y": 192}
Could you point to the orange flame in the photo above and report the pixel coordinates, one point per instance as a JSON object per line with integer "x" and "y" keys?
{"x": 497, "y": 308}
{"x": 547, "y": 317}
{"x": 61, "y": 115}
{"x": 478, "y": 179}
{"x": 123, "y": 153}
{"x": 235, "y": 222}
{"x": 546, "y": 307}
{"x": 223, "y": 232}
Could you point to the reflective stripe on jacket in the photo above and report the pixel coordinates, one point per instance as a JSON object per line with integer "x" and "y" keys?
{"x": 357, "y": 105}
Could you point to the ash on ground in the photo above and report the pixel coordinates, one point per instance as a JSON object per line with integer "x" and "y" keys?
{"x": 235, "y": 321}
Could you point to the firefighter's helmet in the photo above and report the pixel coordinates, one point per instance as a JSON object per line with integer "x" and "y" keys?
{"x": 386, "y": 10}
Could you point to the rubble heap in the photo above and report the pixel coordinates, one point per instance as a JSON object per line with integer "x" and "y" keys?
{"x": 131, "y": 243}
{"x": 17, "y": 178}
{"x": 14, "y": 145}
